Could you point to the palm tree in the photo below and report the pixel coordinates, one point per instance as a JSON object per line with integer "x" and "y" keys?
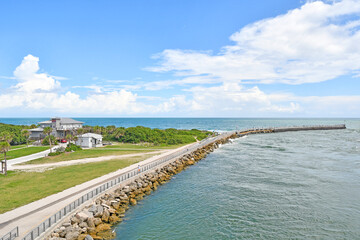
{"x": 26, "y": 134}
{"x": 6, "y": 138}
{"x": 47, "y": 131}
{"x": 69, "y": 138}
{"x": 4, "y": 147}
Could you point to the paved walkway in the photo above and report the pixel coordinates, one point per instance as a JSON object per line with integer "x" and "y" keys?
{"x": 27, "y": 158}
{"x": 42, "y": 167}
{"x": 30, "y": 216}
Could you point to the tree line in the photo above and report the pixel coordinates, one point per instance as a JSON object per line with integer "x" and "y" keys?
{"x": 140, "y": 134}
{"x": 20, "y": 134}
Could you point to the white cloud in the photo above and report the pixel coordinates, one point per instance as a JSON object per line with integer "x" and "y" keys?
{"x": 97, "y": 89}
{"x": 311, "y": 44}
{"x": 226, "y": 99}
{"x": 234, "y": 100}
{"x": 317, "y": 42}
{"x": 35, "y": 91}
{"x": 29, "y": 78}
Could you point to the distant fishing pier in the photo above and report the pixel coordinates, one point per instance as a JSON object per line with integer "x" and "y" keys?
{"x": 27, "y": 222}
{"x": 289, "y": 129}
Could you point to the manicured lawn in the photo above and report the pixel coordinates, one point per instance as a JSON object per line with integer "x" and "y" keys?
{"x": 117, "y": 149}
{"x": 142, "y": 146}
{"x": 23, "y": 152}
{"x": 86, "y": 153}
{"x": 18, "y": 146}
{"x": 21, "y": 188}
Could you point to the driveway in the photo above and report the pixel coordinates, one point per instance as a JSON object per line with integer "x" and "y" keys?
{"x": 27, "y": 158}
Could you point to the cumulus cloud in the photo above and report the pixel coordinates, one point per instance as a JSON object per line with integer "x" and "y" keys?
{"x": 36, "y": 91}
{"x": 29, "y": 78}
{"x": 317, "y": 42}
{"x": 235, "y": 100}
{"x": 225, "y": 99}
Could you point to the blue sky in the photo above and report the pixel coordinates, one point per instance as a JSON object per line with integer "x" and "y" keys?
{"x": 280, "y": 58}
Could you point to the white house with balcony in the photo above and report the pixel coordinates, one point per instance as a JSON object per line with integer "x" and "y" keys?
{"x": 89, "y": 140}
{"x": 60, "y": 126}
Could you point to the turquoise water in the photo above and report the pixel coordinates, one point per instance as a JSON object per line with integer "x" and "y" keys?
{"x": 294, "y": 185}
{"x": 189, "y": 123}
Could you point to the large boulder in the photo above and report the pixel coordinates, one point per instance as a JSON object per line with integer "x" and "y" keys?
{"x": 99, "y": 211}
{"x": 105, "y": 216}
{"x": 72, "y": 235}
{"x": 83, "y": 216}
{"x": 103, "y": 227}
{"x": 133, "y": 201}
{"x": 114, "y": 219}
{"x": 90, "y": 223}
{"x": 115, "y": 205}
{"x": 97, "y": 221}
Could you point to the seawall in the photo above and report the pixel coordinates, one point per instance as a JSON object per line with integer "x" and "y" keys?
{"x": 93, "y": 218}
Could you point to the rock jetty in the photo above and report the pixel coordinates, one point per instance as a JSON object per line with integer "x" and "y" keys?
{"x": 95, "y": 220}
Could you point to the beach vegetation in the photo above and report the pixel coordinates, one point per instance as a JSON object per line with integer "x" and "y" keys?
{"x": 72, "y": 148}
{"x": 15, "y": 131}
{"x": 141, "y": 134}
{"x": 46, "y": 141}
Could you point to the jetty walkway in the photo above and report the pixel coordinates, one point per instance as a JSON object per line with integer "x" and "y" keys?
{"x": 32, "y": 221}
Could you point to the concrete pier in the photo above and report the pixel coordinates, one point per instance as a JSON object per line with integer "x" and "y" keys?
{"x": 290, "y": 129}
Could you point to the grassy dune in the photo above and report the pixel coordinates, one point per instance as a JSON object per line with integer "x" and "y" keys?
{"x": 21, "y": 188}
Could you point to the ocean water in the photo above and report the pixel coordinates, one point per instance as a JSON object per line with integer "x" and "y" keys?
{"x": 224, "y": 124}
{"x": 292, "y": 185}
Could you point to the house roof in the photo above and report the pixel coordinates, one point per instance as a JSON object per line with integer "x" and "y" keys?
{"x": 36, "y": 130}
{"x": 45, "y": 122}
{"x": 92, "y": 135}
{"x": 68, "y": 121}
{"x": 63, "y": 121}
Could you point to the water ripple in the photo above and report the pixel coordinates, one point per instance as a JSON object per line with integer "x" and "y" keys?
{"x": 303, "y": 185}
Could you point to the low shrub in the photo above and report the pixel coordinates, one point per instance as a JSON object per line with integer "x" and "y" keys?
{"x": 72, "y": 148}
{"x": 60, "y": 149}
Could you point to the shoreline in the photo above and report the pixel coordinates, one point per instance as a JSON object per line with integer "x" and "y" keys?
{"x": 200, "y": 151}
{"x": 26, "y": 218}
{"x": 95, "y": 221}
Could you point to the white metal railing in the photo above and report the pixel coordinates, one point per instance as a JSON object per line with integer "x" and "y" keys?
{"x": 11, "y": 235}
{"x": 36, "y": 232}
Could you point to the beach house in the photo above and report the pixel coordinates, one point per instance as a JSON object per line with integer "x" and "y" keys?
{"x": 89, "y": 140}
{"x": 61, "y": 127}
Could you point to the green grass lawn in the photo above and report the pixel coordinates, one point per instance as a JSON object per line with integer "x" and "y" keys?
{"x": 21, "y": 188}
{"x": 88, "y": 153}
{"x": 23, "y": 152}
{"x": 118, "y": 149}
{"x": 17, "y": 146}
{"x": 142, "y": 146}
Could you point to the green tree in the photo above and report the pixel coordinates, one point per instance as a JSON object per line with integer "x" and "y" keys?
{"x": 26, "y": 134}
{"x": 47, "y": 131}
{"x": 5, "y": 139}
{"x": 4, "y": 147}
{"x": 80, "y": 131}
